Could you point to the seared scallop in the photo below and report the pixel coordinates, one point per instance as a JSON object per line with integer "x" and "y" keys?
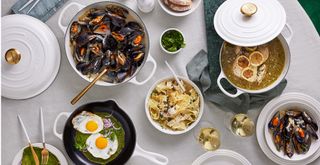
{"x": 240, "y": 63}
{"x": 249, "y": 74}
{"x": 256, "y": 58}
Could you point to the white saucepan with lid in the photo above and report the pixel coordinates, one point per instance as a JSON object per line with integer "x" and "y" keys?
{"x": 250, "y": 23}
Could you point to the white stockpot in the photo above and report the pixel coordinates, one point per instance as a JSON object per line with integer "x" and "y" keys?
{"x": 251, "y": 23}
{"x": 81, "y": 9}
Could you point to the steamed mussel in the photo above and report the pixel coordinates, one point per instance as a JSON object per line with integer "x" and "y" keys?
{"x": 105, "y": 38}
{"x": 293, "y": 131}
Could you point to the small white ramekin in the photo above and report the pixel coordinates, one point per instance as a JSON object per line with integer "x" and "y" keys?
{"x": 168, "y": 52}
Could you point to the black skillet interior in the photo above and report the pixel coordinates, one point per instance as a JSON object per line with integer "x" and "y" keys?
{"x": 110, "y": 107}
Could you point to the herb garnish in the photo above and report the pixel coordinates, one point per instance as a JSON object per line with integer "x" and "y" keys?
{"x": 172, "y": 40}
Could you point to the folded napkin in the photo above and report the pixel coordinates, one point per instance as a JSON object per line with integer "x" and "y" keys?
{"x": 43, "y": 10}
{"x": 204, "y": 70}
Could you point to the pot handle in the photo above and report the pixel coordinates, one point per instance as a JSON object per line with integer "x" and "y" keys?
{"x": 287, "y": 32}
{"x": 134, "y": 79}
{"x": 221, "y": 76}
{"x": 55, "y": 132}
{"x": 64, "y": 10}
{"x": 154, "y": 157}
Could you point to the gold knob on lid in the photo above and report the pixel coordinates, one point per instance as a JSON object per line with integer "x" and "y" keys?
{"x": 13, "y": 56}
{"x": 248, "y": 9}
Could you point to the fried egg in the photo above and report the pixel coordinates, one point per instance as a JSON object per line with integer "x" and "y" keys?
{"x": 87, "y": 123}
{"x": 102, "y": 147}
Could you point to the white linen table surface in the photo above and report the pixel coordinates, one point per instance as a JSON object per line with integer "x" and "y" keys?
{"x": 303, "y": 76}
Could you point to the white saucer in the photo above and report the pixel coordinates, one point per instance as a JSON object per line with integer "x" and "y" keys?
{"x": 264, "y": 137}
{"x": 62, "y": 159}
{"x": 221, "y": 157}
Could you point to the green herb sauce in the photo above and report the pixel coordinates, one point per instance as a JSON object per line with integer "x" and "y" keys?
{"x": 27, "y": 158}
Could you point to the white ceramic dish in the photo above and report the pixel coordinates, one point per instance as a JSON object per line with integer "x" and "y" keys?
{"x": 168, "y": 131}
{"x": 174, "y": 29}
{"x": 194, "y": 6}
{"x": 62, "y": 159}
{"x": 221, "y": 157}
{"x": 267, "y": 146}
{"x": 81, "y": 9}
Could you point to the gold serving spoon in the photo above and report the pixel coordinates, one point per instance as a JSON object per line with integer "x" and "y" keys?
{"x": 86, "y": 89}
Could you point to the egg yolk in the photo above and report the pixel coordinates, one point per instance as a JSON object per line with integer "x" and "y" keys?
{"x": 101, "y": 142}
{"x": 91, "y": 126}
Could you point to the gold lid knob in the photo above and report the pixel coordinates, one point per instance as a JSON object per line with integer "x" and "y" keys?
{"x": 248, "y": 9}
{"x": 13, "y": 56}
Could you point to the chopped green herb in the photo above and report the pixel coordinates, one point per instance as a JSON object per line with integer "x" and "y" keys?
{"x": 172, "y": 41}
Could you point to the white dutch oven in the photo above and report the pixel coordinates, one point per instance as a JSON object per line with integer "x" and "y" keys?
{"x": 81, "y": 9}
{"x": 251, "y": 23}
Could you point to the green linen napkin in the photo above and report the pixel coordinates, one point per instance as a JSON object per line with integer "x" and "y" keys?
{"x": 204, "y": 70}
{"x": 43, "y": 10}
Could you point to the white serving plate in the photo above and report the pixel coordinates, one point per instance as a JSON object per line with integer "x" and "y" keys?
{"x": 195, "y": 5}
{"x": 221, "y": 157}
{"x": 62, "y": 159}
{"x": 263, "y": 135}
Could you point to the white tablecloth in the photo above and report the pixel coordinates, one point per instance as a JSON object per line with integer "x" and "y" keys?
{"x": 303, "y": 77}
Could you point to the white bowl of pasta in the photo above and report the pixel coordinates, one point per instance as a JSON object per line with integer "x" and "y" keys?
{"x": 172, "y": 111}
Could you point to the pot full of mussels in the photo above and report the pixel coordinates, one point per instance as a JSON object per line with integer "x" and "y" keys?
{"x": 255, "y": 56}
{"x": 107, "y": 35}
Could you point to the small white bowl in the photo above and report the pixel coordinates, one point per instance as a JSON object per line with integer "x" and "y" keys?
{"x": 168, "y": 52}
{"x": 168, "y": 131}
{"x": 195, "y": 5}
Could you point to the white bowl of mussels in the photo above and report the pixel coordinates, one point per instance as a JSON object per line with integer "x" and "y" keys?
{"x": 107, "y": 35}
{"x": 291, "y": 129}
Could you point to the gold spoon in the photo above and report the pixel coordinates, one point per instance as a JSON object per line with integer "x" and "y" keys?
{"x": 86, "y": 89}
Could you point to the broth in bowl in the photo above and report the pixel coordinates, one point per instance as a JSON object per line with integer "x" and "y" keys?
{"x": 253, "y": 68}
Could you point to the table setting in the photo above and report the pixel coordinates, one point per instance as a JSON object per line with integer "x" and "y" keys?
{"x": 159, "y": 82}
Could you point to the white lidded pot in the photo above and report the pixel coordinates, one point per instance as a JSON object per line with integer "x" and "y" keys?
{"x": 250, "y": 23}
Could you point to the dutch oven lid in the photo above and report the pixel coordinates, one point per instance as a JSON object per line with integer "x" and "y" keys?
{"x": 30, "y": 56}
{"x": 249, "y": 22}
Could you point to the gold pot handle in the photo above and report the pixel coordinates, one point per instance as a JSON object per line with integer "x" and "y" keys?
{"x": 249, "y": 9}
{"x": 13, "y": 56}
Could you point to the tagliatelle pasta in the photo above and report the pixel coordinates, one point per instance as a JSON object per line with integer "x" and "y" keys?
{"x": 172, "y": 108}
